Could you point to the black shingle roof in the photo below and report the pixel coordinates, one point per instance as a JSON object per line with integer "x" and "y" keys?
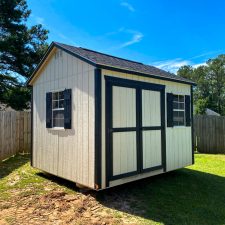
{"x": 99, "y": 58}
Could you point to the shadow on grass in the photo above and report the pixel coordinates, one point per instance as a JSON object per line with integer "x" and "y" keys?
{"x": 181, "y": 197}
{"x": 9, "y": 165}
{"x": 60, "y": 181}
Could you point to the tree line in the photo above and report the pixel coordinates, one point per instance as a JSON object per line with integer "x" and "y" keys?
{"x": 22, "y": 47}
{"x": 210, "y": 80}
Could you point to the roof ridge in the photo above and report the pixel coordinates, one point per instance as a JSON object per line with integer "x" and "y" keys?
{"x": 90, "y": 50}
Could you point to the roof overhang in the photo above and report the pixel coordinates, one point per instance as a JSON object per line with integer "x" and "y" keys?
{"x": 53, "y": 46}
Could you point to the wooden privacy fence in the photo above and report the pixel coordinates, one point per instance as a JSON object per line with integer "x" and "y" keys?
{"x": 209, "y": 134}
{"x": 15, "y": 133}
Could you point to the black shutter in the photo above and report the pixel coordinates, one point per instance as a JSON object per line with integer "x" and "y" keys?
{"x": 169, "y": 110}
{"x": 49, "y": 110}
{"x": 188, "y": 110}
{"x": 67, "y": 108}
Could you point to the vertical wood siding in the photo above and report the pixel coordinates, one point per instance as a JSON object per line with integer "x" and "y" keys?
{"x": 151, "y": 108}
{"x": 178, "y": 139}
{"x": 65, "y": 153}
{"x": 15, "y": 135}
{"x": 124, "y": 107}
{"x": 124, "y": 154}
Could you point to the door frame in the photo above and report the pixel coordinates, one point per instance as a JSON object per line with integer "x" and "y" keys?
{"x": 138, "y": 86}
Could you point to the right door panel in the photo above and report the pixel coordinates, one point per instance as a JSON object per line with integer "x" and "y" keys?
{"x": 152, "y": 154}
{"x": 151, "y": 129}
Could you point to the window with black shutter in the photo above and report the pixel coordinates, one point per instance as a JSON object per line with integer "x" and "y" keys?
{"x": 178, "y": 110}
{"x": 58, "y": 109}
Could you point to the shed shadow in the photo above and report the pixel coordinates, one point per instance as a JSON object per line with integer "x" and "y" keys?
{"x": 180, "y": 197}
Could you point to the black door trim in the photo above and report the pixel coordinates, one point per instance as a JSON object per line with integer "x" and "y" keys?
{"x": 138, "y": 86}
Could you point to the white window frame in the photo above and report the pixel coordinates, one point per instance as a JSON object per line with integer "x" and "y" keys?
{"x": 179, "y": 110}
{"x": 56, "y": 109}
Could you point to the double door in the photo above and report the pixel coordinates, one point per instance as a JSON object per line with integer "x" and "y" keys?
{"x": 135, "y": 127}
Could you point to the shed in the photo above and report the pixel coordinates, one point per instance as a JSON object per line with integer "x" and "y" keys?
{"x": 102, "y": 121}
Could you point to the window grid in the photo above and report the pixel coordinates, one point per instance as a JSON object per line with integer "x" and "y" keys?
{"x": 179, "y": 110}
{"x": 58, "y": 109}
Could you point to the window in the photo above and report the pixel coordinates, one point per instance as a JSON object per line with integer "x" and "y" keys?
{"x": 58, "y": 109}
{"x": 178, "y": 110}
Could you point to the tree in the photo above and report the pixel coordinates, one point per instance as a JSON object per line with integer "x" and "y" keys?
{"x": 21, "y": 48}
{"x": 210, "y": 79}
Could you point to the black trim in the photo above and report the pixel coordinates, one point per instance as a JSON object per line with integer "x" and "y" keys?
{"x": 98, "y": 129}
{"x": 106, "y": 67}
{"x": 138, "y": 86}
{"x": 67, "y": 108}
{"x": 169, "y": 104}
{"x": 123, "y": 129}
{"x": 163, "y": 131}
{"x": 192, "y": 127}
{"x": 108, "y": 125}
{"x": 48, "y": 110}
{"x": 133, "y": 83}
{"x": 153, "y": 168}
{"x": 31, "y": 149}
{"x": 139, "y": 130}
{"x": 152, "y": 128}
{"x": 187, "y": 110}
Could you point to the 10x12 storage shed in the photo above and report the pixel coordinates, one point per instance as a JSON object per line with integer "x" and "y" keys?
{"x": 101, "y": 121}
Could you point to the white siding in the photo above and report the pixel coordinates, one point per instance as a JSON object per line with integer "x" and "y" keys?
{"x": 124, "y": 107}
{"x": 65, "y": 153}
{"x": 152, "y": 148}
{"x": 151, "y": 108}
{"x": 124, "y": 152}
{"x": 178, "y": 139}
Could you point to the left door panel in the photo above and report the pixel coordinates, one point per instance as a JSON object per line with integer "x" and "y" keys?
{"x": 124, "y": 135}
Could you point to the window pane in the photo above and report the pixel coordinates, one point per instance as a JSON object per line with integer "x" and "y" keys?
{"x": 178, "y": 118}
{"x": 61, "y": 95}
{"x": 175, "y": 116}
{"x": 181, "y": 98}
{"x": 175, "y": 105}
{"x": 55, "y": 96}
{"x": 55, "y": 104}
{"x": 181, "y": 106}
{"x": 175, "y": 98}
{"x": 58, "y": 122}
{"x": 58, "y": 114}
{"x": 181, "y": 116}
{"x": 61, "y": 103}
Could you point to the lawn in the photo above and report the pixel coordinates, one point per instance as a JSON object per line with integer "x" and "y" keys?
{"x": 193, "y": 195}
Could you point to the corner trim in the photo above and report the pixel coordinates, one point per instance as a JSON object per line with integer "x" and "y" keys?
{"x": 192, "y": 127}
{"x": 98, "y": 128}
{"x": 32, "y": 108}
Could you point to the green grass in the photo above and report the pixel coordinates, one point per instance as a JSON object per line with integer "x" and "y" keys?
{"x": 16, "y": 175}
{"x": 193, "y": 195}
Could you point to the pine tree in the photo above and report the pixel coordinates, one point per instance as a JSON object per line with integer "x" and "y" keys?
{"x": 21, "y": 48}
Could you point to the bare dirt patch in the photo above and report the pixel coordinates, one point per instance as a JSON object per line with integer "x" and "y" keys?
{"x": 56, "y": 207}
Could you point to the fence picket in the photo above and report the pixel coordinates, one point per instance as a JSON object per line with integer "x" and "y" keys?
{"x": 209, "y": 131}
{"x": 15, "y": 130}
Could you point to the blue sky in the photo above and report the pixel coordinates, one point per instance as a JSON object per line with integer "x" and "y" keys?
{"x": 164, "y": 33}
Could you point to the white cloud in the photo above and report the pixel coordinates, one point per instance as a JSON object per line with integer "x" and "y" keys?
{"x": 206, "y": 54}
{"x": 39, "y": 20}
{"x": 137, "y": 37}
{"x": 198, "y": 64}
{"x": 128, "y": 6}
{"x": 171, "y": 65}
